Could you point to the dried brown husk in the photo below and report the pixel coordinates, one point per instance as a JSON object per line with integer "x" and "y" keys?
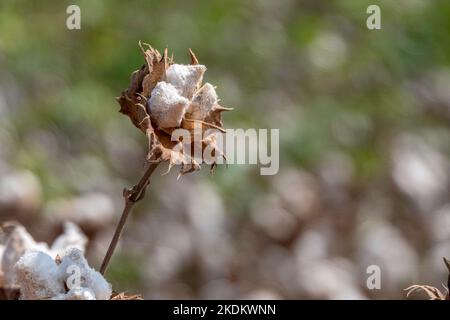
{"x": 125, "y": 296}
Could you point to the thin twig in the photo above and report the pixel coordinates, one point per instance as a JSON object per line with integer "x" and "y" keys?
{"x": 131, "y": 196}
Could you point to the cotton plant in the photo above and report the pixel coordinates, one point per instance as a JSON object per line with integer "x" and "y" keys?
{"x": 162, "y": 97}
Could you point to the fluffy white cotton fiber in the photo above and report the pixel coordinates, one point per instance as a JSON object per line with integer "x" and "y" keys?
{"x": 185, "y": 78}
{"x": 89, "y": 278}
{"x": 203, "y": 101}
{"x": 166, "y": 106}
{"x": 38, "y": 276}
{"x": 59, "y": 273}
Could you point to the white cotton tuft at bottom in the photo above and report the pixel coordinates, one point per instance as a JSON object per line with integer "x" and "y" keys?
{"x": 38, "y": 276}
{"x": 76, "y": 294}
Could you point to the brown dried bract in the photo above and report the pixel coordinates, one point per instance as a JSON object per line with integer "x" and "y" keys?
{"x": 125, "y": 296}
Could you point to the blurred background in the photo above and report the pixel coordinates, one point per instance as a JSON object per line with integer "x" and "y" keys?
{"x": 364, "y": 153}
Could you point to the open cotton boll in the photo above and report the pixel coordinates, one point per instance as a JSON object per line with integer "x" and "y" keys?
{"x": 72, "y": 237}
{"x": 166, "y": 106}
{"x": 185, "y": 78}
{"x": 37, "y": 275}
{"x": 76, "y": 294}
{"x": 202, "y": 102}
{"x": 19, "y": 242}
{"x": 89, "y": 278}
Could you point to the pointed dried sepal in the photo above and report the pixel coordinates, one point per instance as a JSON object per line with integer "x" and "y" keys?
{"x": 132, "y": 104}
{"x": 215, "y": 115}
{"x": 194, "y": 59}
{"x": 157, "y": 71}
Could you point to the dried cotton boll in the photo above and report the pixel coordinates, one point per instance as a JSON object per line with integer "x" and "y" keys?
{"x": 156, "y": 102}
{"x": 37, "y": 275}
{"x": 185, "y": 78}
{"x": 166, "y": 106}
{"x": 76, "y": 294}
{"x": 89, "y": 277}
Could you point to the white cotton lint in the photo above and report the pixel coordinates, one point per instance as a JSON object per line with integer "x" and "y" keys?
{"x": 185, "y": 78}
{"x": 19, "y": 242}
{"x": 166, "y": 106}
{"x": 203, "y": 101}
{"x": 37, "y": 275}
{"x": 32, "y": 267}
{"x": 73, "y": 261}
{"x": 76, "y": 294}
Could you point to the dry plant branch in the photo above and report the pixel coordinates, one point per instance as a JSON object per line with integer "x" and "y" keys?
{"x": 131, "y": 196}
{"x": 162, "y": 97}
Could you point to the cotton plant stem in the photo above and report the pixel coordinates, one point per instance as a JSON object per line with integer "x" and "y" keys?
{"x": 131, "y": 196}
